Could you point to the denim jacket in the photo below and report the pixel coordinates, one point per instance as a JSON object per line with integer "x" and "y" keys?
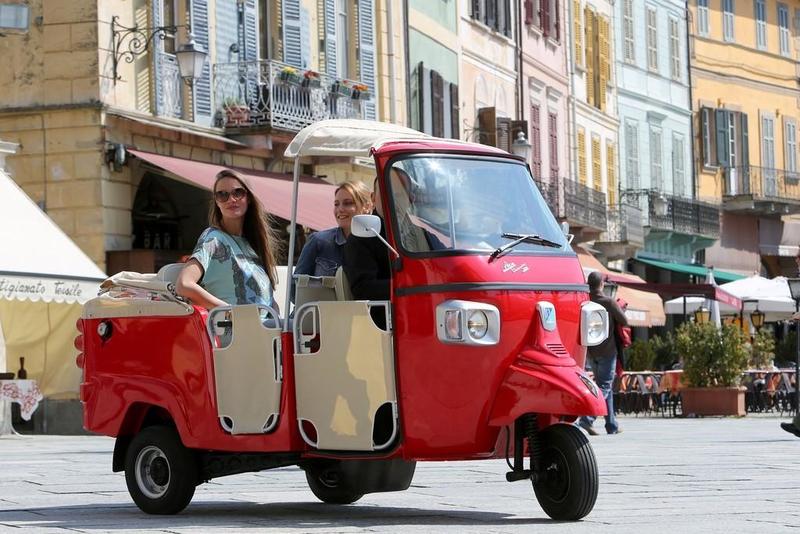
{"x": 322, "y": 254}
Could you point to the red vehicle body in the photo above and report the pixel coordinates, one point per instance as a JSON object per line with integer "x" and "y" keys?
{"x": 454, "y": 402}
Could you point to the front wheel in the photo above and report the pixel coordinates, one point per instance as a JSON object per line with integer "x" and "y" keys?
{"x": 330, "y": 485}
{"x": 160, "y": 472}
{"x": 567, "y": 485}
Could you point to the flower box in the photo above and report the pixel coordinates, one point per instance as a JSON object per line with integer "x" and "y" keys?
{"x": 339, "y": 89}
{"x": 290, "y": 77}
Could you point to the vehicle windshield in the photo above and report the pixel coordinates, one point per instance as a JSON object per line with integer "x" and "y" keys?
{"x": 457, "y": 203}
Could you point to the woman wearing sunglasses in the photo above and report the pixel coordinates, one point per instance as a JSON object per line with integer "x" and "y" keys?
{"x": 233, "y": 261}
{"x": 322, "y": 254}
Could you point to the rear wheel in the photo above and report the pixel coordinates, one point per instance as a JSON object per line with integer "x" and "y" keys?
{"x": 160, "y": 472}
{"x": 567, "y": 486}
{"x": 330, "y": 485}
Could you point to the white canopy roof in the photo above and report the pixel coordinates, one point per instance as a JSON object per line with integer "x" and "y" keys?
{"x": 40, "y": 262}
{"x": 351, "y": 138}
{"x": 770, "y": 296}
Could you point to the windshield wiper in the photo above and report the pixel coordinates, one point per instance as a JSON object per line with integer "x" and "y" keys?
{"x": 521, "y": 238}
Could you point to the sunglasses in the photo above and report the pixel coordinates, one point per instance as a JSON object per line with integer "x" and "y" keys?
{"x": 237, "y": 193}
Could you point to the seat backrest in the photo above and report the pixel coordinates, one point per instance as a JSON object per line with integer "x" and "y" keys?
{"x": 312, "y": 289}
{"x": 169, "y": 273}
{"x": 343, "y": 291}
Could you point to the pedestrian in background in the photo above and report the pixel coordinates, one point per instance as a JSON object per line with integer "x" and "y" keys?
{"x": 603, "y": 357}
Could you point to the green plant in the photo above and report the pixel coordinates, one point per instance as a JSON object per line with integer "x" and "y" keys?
{"x": 762, "y": 350}
{"x": 711, "y": 357}
{"x": 640, "y": 356}
{"x": 666, "y": 352}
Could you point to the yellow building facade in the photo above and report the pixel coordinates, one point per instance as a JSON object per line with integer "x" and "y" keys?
{"x": 745, "y": 106}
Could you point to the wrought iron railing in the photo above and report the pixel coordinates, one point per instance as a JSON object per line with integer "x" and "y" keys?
{"x": 761, "y": 182}
{"x": 549, "y": 190}
{"x": 584, "y": 206}
{"x": 625, "y": 225}
{"x": 682, "y": 215}
{"x": 273, "y": 94}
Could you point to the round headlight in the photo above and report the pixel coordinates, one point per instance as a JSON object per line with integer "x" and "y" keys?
{"x": 477, "y": 324}
{"x": 595, "y": 325}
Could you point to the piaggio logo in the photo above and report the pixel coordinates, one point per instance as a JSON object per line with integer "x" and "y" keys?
{"x": 510, "y": 266}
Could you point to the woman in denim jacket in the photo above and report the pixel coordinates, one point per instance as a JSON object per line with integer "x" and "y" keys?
{"x": 322, "y": 254}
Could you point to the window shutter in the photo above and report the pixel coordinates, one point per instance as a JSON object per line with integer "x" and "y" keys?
{"x": 588, "y": 21}
{"x": 723, "y": 148}
{"x": 553, "y": 127}
{"x": 611, "y": 172}
{"x": 544, "y": 16}
{"x": 745, "y": 161}
{"x": 292, "y": 33}
{"x": 475, "y": 9}
{"x": 632, "y": 150}
{"x": 582, "y": 157}
{"x": 250, "y": 30}
{"x": 202, "y": 87}
{"x": 578, "y": 33}
{"x": 437, "y": 103}
{"x": 504, "y": 133}
{"x": 556, "y": 21}
{"x": 329, "y": 21}
{"x": 487, "y": 126}
{"x": 597, "y": 168}
{"x": 366, "y": 53}
{"x": 528, "y": 12}
{"x": 707, "y": 131}
{"x": 455, "y": 131}
{"x": 604, "y": 68}
{"x": 158, "y": 61}
{"x": 536, "y": 142}
{"x": 507, "y": 19}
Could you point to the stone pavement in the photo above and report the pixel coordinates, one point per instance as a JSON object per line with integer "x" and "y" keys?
{"x": 660, "y": 475}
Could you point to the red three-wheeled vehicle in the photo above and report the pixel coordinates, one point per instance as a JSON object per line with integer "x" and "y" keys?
{"x": 477, "y": 354}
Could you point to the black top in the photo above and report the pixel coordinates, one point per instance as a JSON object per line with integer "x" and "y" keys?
{"x": 608, "y": 348}
{"x": 366, "y": 264}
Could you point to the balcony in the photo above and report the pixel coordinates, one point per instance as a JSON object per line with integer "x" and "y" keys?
{"x": 584, "y": 207}
{"x": 549, "y": 190}
{"x": 682, "y": 216}
{"x": 624, "y": 234}
{"x": 270, "y": 95}
{"x": 761, "y": 190}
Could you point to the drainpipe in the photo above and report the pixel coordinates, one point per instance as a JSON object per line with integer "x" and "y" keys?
{"x": 573, "y": 127}
{"x": 408, "y": 64}
{"x": 695, "y": 184}
{"x": 520, "y": 78}
{"x": 390, "y": 56}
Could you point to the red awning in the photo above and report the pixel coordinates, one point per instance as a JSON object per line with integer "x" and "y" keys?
{"x": 315, "y": 200}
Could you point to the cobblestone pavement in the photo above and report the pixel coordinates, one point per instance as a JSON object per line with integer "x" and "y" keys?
{"x": 660, "y": 475}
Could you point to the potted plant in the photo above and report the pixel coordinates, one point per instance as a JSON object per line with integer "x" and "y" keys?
{"x": 342, "y": 88}
{"x": 713, "y": 362}
{"x": 236, "y": 111}
{"x": 361, "y": 92}
{"x": 311, "y": 79}
{"x": 290, "y": 75}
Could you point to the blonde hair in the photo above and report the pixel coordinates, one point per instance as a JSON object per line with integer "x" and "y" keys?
{"x": 255, "y": 228}
{"x": 360, "y": 193}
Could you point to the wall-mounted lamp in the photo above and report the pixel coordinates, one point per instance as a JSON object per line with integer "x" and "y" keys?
{"x": 116, "y": 156}
{"x": 127, "y": 43}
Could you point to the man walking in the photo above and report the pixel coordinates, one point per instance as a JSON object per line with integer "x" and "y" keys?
{"x": 603, "y": 357}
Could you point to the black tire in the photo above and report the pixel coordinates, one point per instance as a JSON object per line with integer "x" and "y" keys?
{"x": 160, "y": 472}
{"x": 567, "y": 490}
{"x": 329, "y": 485}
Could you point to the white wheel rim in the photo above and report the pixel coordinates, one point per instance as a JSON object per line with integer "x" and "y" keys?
{"x": 153, "y": 472}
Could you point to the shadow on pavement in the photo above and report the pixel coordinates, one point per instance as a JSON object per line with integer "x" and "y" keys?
{"x": 245, "y": 515}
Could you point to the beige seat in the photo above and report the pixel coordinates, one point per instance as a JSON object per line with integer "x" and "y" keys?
{"x": 340, "y": 387}
{"x": 247, "y": 372}
{"x": 342, "y": 286}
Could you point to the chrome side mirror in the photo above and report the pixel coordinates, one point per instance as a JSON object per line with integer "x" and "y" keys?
{"x": 365, "y": 225}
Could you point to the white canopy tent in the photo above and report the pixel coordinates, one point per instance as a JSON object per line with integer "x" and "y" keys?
{"x": 44, "y": 279}
{"x": 772, "y": 297}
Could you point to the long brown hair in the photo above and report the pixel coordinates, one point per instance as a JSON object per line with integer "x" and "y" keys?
{"x": 255, "y": 228}
{"x": 360, "y": 193}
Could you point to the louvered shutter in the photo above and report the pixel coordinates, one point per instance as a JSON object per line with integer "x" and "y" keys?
{"x": 597, "y": 166}
{"x": 553, "y": 127}
{"x": 329, "y": 20}
{"x": 582, "y": 157}
{"x": 528, "y": 11}
{"x": 603, "y": 68}
{"x": 588, "y": 21}
{"x": 227, "y": 29}
{"x": 455, "y": 131}
{"x": 536, "y": 142}
{"x": 202, "y": 87}
{"x": 611, "y": 172}
{"x": 158, "y": 60}
{"x": 250, "y": 30}
{"x": 745, "y": 149}
{"x": 504, "y": 133}
{"x": 544, "y": 16}
{"x": 487, "y": 126}
{"x": 723, "y": 146}
{"x": 292, "y": 33}
{"x": 366, "y": 53}
{"x": 556, "y": 16}
{"x": 578, "y": 33}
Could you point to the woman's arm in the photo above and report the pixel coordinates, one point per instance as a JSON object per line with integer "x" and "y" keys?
{"x": 188, "y": 287}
